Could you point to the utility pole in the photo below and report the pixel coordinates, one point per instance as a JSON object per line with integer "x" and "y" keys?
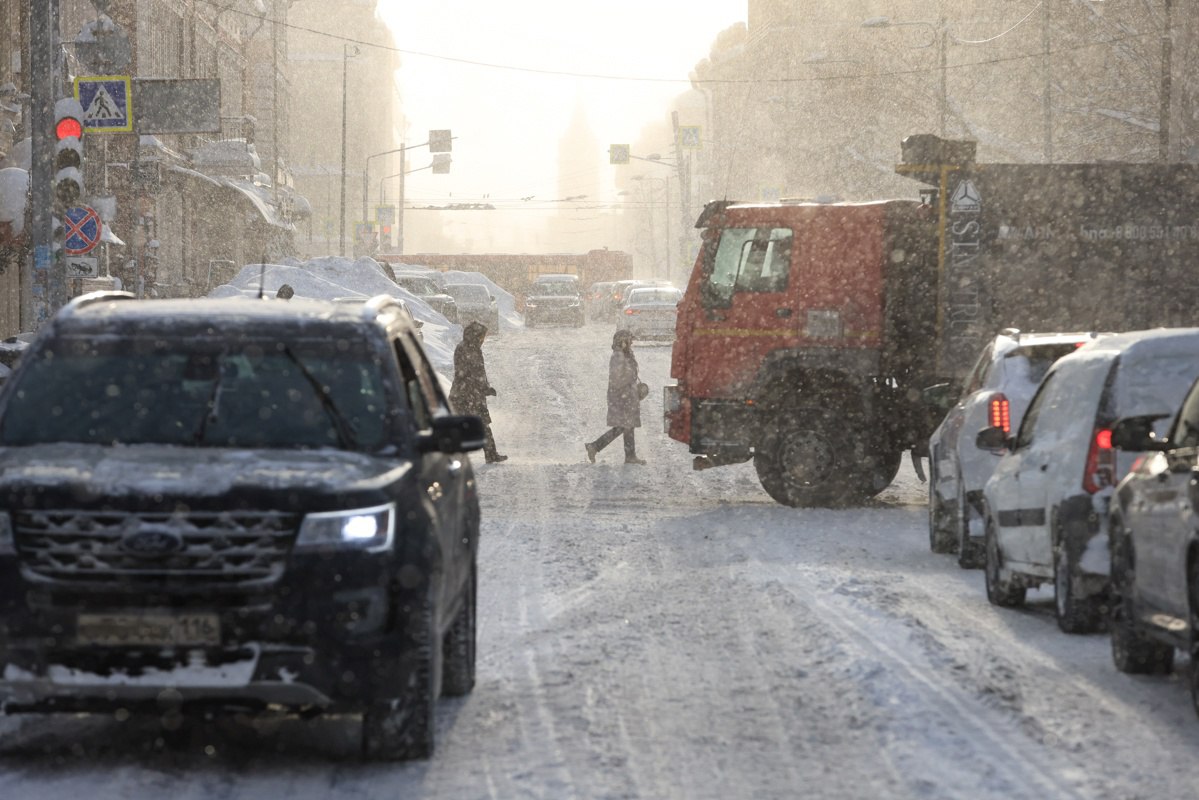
{"x": 943, "y": 45}
{"x": 400, "y": 204}
{"x": 36, "y": 280}
{"x": 1167, "y": 82}
{"x": 345, "y": 85}
{"x": 1047, "y": 70}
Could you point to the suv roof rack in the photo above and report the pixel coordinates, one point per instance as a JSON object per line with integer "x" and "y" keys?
{"x": 91, "y": 298}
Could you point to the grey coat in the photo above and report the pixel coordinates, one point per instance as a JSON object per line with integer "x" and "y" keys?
{"x": 624, "y": 406}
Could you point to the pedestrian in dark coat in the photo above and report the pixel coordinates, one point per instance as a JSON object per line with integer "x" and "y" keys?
{"x": 471, "y": 388}
{"x": 624, "y": 400}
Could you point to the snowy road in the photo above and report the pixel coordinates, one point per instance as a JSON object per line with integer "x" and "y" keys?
{"x": 651, "y": 632}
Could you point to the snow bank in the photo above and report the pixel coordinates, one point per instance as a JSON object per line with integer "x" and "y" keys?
{"x": 331, "y": 278}
{"x": 13, "y": 185}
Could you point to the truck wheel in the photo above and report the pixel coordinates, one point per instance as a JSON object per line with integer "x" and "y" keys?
{"x": 878, "y": 471}
{"x": 940, "y": 532}
{"x": 401, "y": 729}
{"x": 1132, "y": 652}
{"x": 458, "y": 647}
{"x": 1000, "y": 592}
{"x": 807, "y": 459}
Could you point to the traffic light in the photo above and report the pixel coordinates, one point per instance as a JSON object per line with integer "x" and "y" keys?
{"x": 68, "y": 152}
{"x": 440, "y": 141}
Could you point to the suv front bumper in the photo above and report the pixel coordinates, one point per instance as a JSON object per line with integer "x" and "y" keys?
{"x": 307, "y": 641}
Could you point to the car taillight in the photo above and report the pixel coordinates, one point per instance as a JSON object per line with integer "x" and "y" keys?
{"x": 1001, "y": 413}
{"x": 630, "y": 311}
{"x": 1101, "y": 463}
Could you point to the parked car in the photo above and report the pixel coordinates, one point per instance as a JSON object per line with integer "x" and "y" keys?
{"x": 598, "y": 300}
{"x": 1047, "y": 501}
{"x": 650, "y": 312}
{"x": 1155, "y": 546}
{"x": 238, "y": 511}
{"x": 428, "y": 290}
{"x": 475, "y": 304}
{"x": 996, "y": 392}
{"x": 555, "y": 298}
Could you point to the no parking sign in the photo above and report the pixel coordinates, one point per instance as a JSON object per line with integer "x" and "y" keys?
{"x": 81, "y": 230}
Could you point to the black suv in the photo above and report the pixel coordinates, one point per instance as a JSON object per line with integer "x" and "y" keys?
{"x": 555, "y": 298}
{"x": 236, "y": 503}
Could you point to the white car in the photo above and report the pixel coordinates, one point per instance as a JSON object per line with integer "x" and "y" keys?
{"x": 996, "y": 392}
{"x": 650, "y": 312}
{"x": 1047, "y": 501}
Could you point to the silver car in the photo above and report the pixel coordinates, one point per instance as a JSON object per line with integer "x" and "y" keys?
{"x": 650, "y": 312}
{"x": 475, "y": 304}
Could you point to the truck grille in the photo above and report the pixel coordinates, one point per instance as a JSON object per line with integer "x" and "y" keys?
{"x": 229, "y": 548}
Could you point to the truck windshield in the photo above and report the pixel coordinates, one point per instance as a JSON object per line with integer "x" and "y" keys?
{"x": 314, "y": 393}
{"x": 749, "y": 260}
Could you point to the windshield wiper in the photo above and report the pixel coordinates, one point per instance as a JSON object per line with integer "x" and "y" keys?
{"x": 213, "y": 406}
{"x": 345, "y": 433}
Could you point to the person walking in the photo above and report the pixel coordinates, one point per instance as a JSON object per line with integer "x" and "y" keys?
{"x": 625, "y": 393}
{"x": 470, "y": 390}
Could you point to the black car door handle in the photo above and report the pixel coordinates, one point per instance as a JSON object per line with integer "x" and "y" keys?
{"x": 783, "y": 312}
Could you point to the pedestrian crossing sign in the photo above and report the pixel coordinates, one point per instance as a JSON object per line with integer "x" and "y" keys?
{"x": 689, "y": 137}
{"x": 107, "y": 103}
{"x": 618, "y": 154}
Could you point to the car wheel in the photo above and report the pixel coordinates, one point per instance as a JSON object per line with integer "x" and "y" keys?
{"x": 971, "y": 554}
{"x": 1132, "y": 652}
{"x": 401, "y": 729}
{"x": 1074, "y": 614}
{"x": 999, "y": 592}
{"x": 458, "y": 647}
{"x": 940, "y": 535}
{"x": 807, "y": 459}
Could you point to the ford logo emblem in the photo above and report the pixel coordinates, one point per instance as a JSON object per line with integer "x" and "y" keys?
{"x": 152, "y": 542}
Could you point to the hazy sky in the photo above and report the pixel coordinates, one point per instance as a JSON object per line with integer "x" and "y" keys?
{"x": 508, "y": 123}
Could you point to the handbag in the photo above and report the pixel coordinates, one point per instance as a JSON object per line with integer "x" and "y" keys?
{"x": 642, "y": 391}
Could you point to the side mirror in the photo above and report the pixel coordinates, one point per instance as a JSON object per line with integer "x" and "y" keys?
{"x": 992, "y": 439}
{"x": 1135, "y": 434}
{"x": 453, "y": 434}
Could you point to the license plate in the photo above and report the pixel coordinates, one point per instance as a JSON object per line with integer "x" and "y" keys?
{"x": 164, "y": 630}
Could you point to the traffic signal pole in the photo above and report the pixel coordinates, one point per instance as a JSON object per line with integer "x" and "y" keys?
{"x": 37, "y": 301}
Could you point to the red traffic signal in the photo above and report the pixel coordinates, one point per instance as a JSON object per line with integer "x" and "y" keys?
{"x": 68, "y": 128}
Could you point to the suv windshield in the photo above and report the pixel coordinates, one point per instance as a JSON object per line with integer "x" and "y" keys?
{"x": 556, "y": 289}
{"x": 1033, "y": 361}
{"x": 255, "y": 393}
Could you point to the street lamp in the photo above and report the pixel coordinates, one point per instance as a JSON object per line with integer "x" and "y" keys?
{"x": 941, "y": 39}
{"x": 348, "y": 51}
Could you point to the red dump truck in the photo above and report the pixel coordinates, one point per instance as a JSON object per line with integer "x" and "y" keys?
{"x": 802, "y": 344}
{"x": 809, "y": 333}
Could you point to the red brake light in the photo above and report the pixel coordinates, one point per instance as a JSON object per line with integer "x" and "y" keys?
{"x": 630, "y": 311}
{"x": 1101, "y": 463}
{"x": 1001, "y": 413}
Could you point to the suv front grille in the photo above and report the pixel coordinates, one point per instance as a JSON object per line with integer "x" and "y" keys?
{"x": 230, "y": 548}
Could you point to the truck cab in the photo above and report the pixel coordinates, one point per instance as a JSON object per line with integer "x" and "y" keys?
{"x": 801, "y": 331}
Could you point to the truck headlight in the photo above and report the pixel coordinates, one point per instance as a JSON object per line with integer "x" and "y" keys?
{"x": 369, "y": 529}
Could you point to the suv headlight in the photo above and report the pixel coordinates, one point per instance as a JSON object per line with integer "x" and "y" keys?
{"x": 8, "y": 545}
{"x": 369, "y": 529}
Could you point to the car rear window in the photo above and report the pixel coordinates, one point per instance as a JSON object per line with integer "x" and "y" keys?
{"x": 260, "y": 393}
{"x": 1155, "y": 385}
{"x": 654, "y": 296}
{"x": 1030, "y": 363}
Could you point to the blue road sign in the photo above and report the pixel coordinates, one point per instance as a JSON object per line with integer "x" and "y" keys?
{"x": 81, "y": 230}
{"x": 107, "y": 103}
